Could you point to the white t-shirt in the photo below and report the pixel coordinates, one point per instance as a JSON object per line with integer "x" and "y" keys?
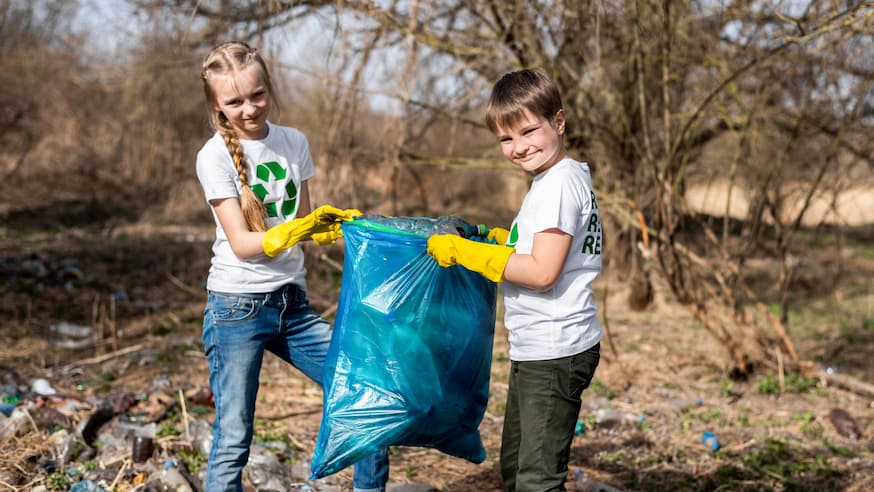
{"x": 561, "y": 321}
{"x": 277, "y": 165}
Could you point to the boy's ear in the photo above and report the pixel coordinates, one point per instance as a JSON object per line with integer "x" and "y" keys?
{"x": 559, "y": 121}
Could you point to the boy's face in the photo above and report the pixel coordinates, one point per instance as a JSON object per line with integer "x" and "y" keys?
{"x": 535, "y": 144}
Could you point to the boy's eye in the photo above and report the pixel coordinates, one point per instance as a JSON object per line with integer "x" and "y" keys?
{"x": 505, "y": 139}
{"x": 529, "y": 131}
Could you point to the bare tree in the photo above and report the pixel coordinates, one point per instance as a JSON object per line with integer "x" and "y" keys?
{"x": 659, "y": 94}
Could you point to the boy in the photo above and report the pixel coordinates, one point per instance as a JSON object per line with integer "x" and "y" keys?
{"x": 548, "y": 261}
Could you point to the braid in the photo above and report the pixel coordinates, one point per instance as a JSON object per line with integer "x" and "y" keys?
{"x": 225, "y": 59}
{"x": 253, "y": 208}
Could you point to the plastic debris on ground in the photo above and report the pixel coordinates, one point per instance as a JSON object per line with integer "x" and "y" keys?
{"x": 410, "y": 358}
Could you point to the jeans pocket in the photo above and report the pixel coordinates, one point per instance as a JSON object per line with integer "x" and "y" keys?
{"x": 582, "y": 370}
{"x": 232, "y": 308}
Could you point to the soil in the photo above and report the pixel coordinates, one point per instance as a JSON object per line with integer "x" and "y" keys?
{"x": 139, "y": 290}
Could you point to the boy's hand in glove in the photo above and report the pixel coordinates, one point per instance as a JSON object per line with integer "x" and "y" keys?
{"x": 499, "y": 235}
{"x": 486, "y": 259}
{"x": 483, "y": 234}
{"x": 323, "y": 220}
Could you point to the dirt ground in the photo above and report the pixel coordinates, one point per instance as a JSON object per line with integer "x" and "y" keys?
{"x": 139, "y": 289}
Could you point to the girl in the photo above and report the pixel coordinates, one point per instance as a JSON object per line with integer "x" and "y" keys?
{"x": 254, "y": 176}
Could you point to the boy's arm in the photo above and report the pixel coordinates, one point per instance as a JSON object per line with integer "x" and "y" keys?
{"x": 538, "y": 270}
{"x": 541, "y": 268}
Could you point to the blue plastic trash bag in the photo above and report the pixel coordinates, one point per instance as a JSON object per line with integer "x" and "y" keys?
{"x": 411, "y": 353}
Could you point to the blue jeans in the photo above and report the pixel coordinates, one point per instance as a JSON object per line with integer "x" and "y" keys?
{"x": 237, "y": 328}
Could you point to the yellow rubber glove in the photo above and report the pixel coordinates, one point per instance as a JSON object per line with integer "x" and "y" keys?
{"x": 486, "y": 259}
{"x": 499, "y": 235}
{"x": 330, "y": 237}
{"x": 321, "y": 220}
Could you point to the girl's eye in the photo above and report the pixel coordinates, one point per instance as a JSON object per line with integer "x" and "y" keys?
{"x": 529, "y": 131}
{"x": 258, "y": 94}
{"x": 505, "y": 139}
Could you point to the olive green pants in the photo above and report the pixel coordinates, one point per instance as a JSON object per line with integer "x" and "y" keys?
{"x": 543, "y": 404}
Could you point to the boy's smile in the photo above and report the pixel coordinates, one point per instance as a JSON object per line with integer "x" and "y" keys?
{"x": 534, "y": 143}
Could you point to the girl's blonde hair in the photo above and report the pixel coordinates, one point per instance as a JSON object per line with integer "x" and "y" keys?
{"x": 226, "y": 59}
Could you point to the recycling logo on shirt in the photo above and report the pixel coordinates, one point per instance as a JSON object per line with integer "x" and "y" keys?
{"x": 263, "y": 173}
{"x": 513, "y": 236}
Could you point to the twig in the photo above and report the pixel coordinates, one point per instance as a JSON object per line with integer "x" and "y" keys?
{"x": 184, "y": 415}
{"x": 330, "y": 311}
{"x": 331, "y": 262}
{"x": 292, "y": 414}
{"x": 849, "y": 383}
{"x": 105, "y": 357}
{"x": 185, "y": 287}
{"x": 30, "y": 419}
{"x": 780, "y": 371}
{"x": 606, "y": 325}
{"x": 119, "y": 474}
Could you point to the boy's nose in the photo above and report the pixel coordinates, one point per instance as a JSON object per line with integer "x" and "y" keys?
{"x": 519, "y": 149}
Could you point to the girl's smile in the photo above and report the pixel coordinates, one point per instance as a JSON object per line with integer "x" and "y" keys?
{"x": 244, "y": 99}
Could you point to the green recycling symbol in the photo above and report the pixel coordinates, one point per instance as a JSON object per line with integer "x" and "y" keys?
{"x": 513, "y": 236}
{"x": 263, "y": 172}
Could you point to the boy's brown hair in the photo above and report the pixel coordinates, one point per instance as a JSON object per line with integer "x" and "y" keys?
{"x": 520, "y": 90}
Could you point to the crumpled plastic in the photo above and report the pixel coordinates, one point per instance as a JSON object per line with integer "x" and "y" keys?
{"x": 410, "y": 358}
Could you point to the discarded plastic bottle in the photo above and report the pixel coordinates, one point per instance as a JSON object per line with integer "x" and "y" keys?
{"x": 844, "y": 424}
{"x": 585, "y": 483}
{"x": 710, "y": 440}
{"x": 681, "y": 404}
{"x": 173, "y": 479}
{"x": 468, "y": 231}
{"x": 607, "y": 417}
{"x": 142, "y": 449}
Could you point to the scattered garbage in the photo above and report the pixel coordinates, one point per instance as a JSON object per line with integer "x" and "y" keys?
{"x": 42, "y": 387}
{"x": 844, "y": 424}
{"x": 710, "y": 440}
{"x": 142, "y": 449}
{"x": 679, "y": 405}
{"x": 173, "y": 479}
{"x": 585, "y": 483}
{"x": 608, "y": 417}
{"x": 133, "y": 454}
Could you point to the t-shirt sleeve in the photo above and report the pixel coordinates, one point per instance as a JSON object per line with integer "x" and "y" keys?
{"x": 307, "y": 167}
{"x": 564, "y": 203}
{"x": 216, "y": 173}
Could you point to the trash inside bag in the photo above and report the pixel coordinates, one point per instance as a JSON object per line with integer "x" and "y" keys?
{"x": 411, "y": 353}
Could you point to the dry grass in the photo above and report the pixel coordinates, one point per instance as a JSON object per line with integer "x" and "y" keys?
{"x": 771, "y": 440}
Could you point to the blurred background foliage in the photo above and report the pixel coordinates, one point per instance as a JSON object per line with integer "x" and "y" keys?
{"x": 718, "y": 133}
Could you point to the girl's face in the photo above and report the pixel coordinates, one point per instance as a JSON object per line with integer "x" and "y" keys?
{"x": 244, "y": 99}
{"x": 535, "y": 144}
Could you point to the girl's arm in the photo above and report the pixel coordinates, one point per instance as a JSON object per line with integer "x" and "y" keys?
{"x": 244, "y": 243}
{"x": 247, "y": 244}
{"x": 540, "y": 269}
